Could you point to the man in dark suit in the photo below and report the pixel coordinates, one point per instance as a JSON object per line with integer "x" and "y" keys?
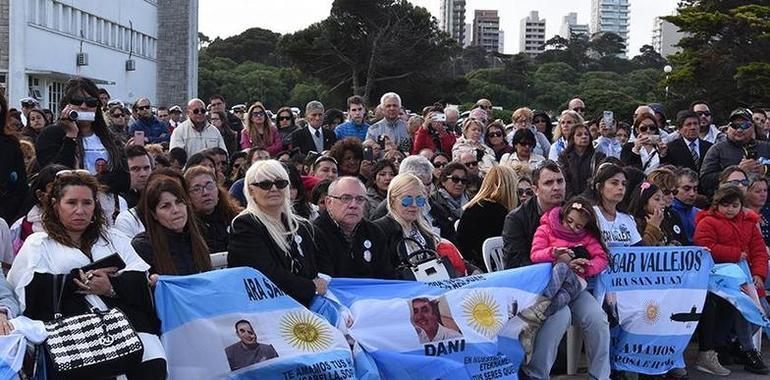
{"x": 313, "y": 138}
{"x": 689, "y": 149}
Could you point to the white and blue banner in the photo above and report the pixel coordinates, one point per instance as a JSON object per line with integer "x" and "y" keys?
{"x": 236, "y": 324}
{"x": 733, "y": 283}
{"x": 464, "y": 328}
{"x": 654, "y": 297}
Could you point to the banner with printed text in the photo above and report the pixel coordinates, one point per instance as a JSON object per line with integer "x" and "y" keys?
{"x": 654, "y": 298}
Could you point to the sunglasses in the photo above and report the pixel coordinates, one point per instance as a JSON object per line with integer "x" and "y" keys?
{"x": 199, "y": 111}
{"x": 117, "y": 115}
{"x": 579, "y": 109}
{"x": 538, "y": 121}
{"x": 142, "y": 108}
{"x": 439, "y": 165}
{"x": 703, "y": 113}
{"x": 667, "y": 192}
{"x": 79, "y": 100}
{"x": 258, "y": 113}
{"x": 742, "y": 126}
{"x": 527, "y": 192}
{"x": 409, "y": 200}
{"x": 458, "y": 180}
{"x": 485, "y": 107}
{"x": 66, "y": 172}
{"x": 742, "y": 182}
{"x": 472, "y": 163}
{"x": 495, "y": 134}
{"x": 282, "y": 118}
{"x": 648, "y": 127}
{"x": 267, "y": 185}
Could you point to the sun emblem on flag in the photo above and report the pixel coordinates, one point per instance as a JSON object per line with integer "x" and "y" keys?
{"x": 482, "y": 313}
{"x": 651, "y": 312}
{"x": 304, "y": 331}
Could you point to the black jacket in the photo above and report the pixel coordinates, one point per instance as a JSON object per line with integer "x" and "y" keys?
{"x": 304, "y": 141}
{"x": 215, "y": 232}
{"x": 577, "y": 170}
{"x": 679, "y": 154}
{"x": 364, "y": 257}
{"x": 478, "y": 223}
{"x": 179, "y": 247}
{"x": 252, "y": 246}
{"x": 394, "y": 236}
{"x": 13, "y": 179}
{"x": 518, "y": 231}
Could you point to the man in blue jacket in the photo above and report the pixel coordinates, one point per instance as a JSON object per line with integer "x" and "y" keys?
{"x": 155, "y": 131}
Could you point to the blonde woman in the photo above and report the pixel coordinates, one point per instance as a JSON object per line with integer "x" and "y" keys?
{"x": 567, "y": 120}
{"x": 406, "y": 202}
{"x": 484, "y": 215}
{"x": 472, "y": 142}
{"x": 260, "y": 131}
{"x": 269, "y": 237}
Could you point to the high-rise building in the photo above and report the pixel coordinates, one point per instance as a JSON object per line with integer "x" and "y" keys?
{"x": 501, "y": 44}
{"x": 664, "y": 36}
{"x": 569, "y": 26}
{"x": 132, "y": 48}
{"x": 610, "y": 16}
{"x": 486, "y": 30}
{"x": 453, "y": 18}
{"x": 468, "y": 38}
{"x": 532, "y": 34}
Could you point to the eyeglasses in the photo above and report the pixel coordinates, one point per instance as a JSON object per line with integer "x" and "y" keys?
{"x": 495, "y": 134}
{"x": 199, "y": 111}
{"x": 703, "y": 113}
{"x": 458, "y": 180}
{"x": 743, "y": 126}
{"x": 668, "y": 192}
{"x": 579, "y": 109}
{"x": 525, "y": 143}
{"x": 471, "y": 163}
{"x": 648, "y": 127}
{"x": 346, "y": 199}
{"x": 258, "y": 113}
{"x": 267, "y": 185}
{"x": 485, "y": 107}
{"x": 439, "y": 165}
{"x": 142, "y": 108}
{"x": 527, "y": 192}
{"x": 117, "y": 115}
{"x": 65, "y": 172}
{"x": 409, "y": 200}
{"x": 79, "y": 100}
{"x": 742, "y": 182}
{"x": 282, "y": 118}
{"x": 239, "y": 111}
{"x": 209, "y": 186}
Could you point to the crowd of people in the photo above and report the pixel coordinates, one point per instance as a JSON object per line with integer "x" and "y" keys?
{"x": 304, "y": 197}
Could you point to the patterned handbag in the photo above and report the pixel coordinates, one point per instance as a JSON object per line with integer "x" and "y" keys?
{"x": 91, "y": 345}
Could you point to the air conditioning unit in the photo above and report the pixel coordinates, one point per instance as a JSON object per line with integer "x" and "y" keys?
{"x": 130, "y": 65}
{"x": 82, "y": 59}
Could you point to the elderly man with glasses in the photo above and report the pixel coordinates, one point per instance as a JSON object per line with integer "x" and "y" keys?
{"x": 196, "y": 133}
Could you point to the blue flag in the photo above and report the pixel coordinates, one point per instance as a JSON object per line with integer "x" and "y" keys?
{"x": 733, "y": 283}
{"x": 654, "y": 297}
{"x": 464, "y": 328}
{"x": 236, "y": 324}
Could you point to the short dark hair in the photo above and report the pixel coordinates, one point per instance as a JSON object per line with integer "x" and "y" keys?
{"x": 320, "y": 189}
{"x": 727, "y": 194}
{"x": 682, "y": 116}
{"x": 220, "y": 97}
{"x": 447, "y": 170}
{"x": 136, "y": 151}
{"x": 549, "y": 165}
{"x": 161, "y": 109}
{"x": 241, "y": 321}
{"x": 101, "y": 91}
{"x": 356, "y": 99}
{"x": 217, "y": 151}
{"x": 696, "y": 102}
{"x": 179, "y": 155}
{"x": 522, "y": 135}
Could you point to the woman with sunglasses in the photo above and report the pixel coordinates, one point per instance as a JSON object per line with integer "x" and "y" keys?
{"x": 79, "y": 143}
{"x": 648, "y": 148}
{"x": 286, "y": 125}
{"x": 260, "y": 131}
{"x": 578, "y": 160}
{"x": 542, "y": 122}
{"x": 438, "y": 161}
{"x": 523, "y": 145}
{"x": 483, "y": 216}
{"x": 118, "y": 122}
{"x": 271, "y": 238}
{"x": 495, "y": 139}
{"x": 377, "y": 186}
{"x": 451, "y": 190}
{"x": 407, "y": 197}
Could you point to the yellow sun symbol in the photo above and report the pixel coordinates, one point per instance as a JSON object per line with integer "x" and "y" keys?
{"x": 652, "y": 312}
{"x": 482, "y": 313}
{"x": 306, "y": 332}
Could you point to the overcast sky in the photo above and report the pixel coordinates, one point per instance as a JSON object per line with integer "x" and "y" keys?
{"x": 224, "y": 18}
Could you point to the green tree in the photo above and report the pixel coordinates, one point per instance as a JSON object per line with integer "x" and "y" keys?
{"x": 256, "y": 45}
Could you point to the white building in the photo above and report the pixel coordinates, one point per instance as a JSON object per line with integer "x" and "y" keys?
{"x": 610, "y": 16}
{"x": 569, "y": 26}
{"x": 468, "y": 38}
{"x": 665, "y": 36}
{"x": 532, "y": 34}
{"x": 453, "y": 19}
{"x": 117, "y": 44}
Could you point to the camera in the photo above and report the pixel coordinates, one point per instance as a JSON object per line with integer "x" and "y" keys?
{"x": 439, "y": 117}
{"x": 81, "y": 116}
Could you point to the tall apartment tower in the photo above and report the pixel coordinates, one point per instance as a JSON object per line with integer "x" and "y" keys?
{"x": 610, "y": 16}
{"x": 532, "y": 34}
{"x": 569, "y": 26}
{"x": 486, "y": 30}
{"x": 453, "y": 19}
{"x": 665, "y": 36}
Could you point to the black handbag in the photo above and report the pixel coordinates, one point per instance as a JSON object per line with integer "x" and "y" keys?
{"x": 98, "y": 344}
{"x": 424, "y": 264}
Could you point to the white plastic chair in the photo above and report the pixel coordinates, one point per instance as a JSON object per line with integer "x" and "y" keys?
{"x": 219, "y": 260}
{"x": 492, "y": 249}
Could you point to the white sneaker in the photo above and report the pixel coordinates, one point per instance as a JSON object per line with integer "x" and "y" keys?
{"x": 708, "y": 362}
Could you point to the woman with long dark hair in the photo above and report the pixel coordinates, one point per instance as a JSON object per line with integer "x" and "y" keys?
{"x": 213, "y": 205}
{"x": 13, "y": 173}
{"x": 608, "y": 187}
{"x": 577, "y": 160}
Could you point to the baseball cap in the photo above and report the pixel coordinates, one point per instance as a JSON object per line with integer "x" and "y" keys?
{"x": 740, "y": 113}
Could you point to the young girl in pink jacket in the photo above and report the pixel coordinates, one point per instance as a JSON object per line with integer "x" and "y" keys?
{"x": 569, "y": 237}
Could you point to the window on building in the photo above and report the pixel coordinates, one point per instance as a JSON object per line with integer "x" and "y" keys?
{"x": 56, "y": 16}
{"x": 55, "y": 92}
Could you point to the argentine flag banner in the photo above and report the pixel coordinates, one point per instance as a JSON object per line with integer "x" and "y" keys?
{"x": 464, "y": 328}
{"x": 236, "y": 324}
{"x": 654, "y": 298}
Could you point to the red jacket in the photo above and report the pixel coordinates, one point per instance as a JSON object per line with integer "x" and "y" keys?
{"x": 727, "y": 238}
{"x": 552, "y": 233}
{"x": 423, "y": 139}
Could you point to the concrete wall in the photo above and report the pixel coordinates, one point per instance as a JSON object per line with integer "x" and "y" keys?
{"x": 178, "y": 51}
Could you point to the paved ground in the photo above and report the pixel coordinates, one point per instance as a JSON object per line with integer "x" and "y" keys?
{"x": 738, "y": 372}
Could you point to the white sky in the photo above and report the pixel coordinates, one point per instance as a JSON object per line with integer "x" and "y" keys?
{"x": 225, "y": 18}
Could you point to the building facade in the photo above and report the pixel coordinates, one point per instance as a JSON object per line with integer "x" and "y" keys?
{"x": 610, "y": 16}
{"x": 120, "y": 45}
{"x": 486, "y": 30}
{"x": 665, "y": 36}
{"x": 569, "y": 26}
{"x": 532, "y": 34}
{"x": 453, "y": 18}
